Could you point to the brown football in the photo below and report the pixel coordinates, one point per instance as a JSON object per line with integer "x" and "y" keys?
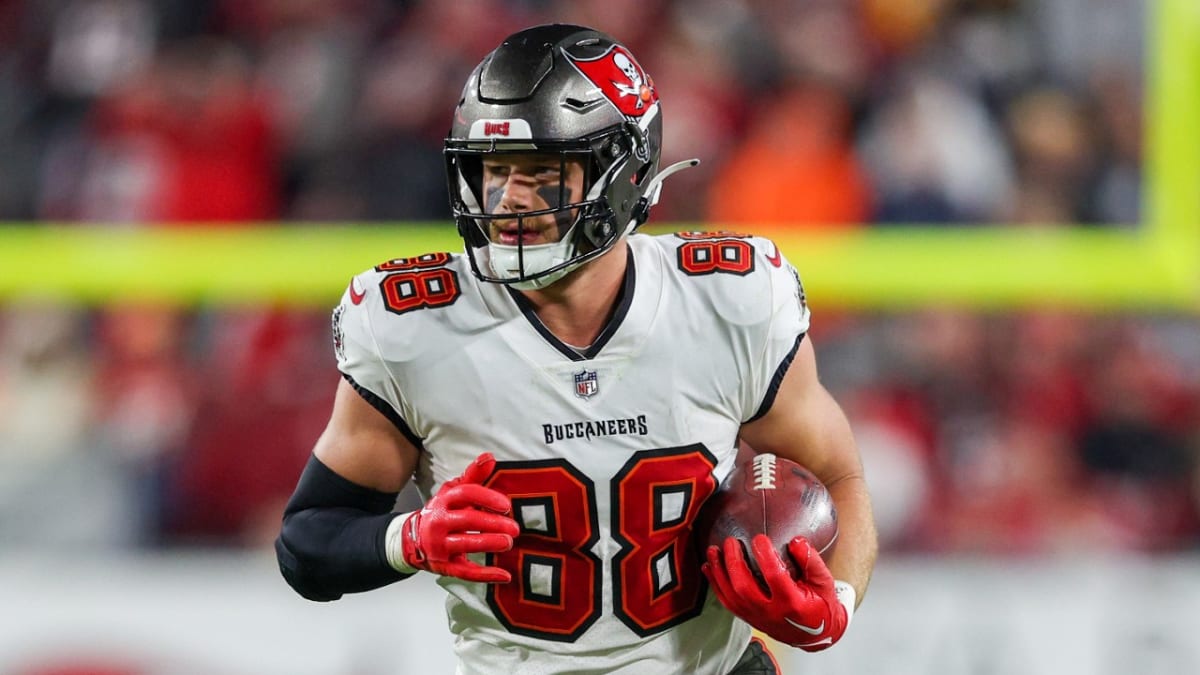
{"x": 767, "y": 494}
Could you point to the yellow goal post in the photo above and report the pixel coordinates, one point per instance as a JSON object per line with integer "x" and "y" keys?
{"x": 1153, "y": 265}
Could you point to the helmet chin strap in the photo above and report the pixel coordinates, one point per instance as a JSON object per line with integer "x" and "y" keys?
{"x": 506, "y": 262}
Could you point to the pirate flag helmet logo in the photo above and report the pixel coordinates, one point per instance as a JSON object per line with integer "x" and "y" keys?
{"x": 621, "y": 80}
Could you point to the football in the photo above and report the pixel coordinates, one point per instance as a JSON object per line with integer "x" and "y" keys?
{"x": 766, "y": 494}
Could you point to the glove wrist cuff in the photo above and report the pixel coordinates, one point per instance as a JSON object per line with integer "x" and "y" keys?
{"x": 394, "y": 543}
{"x": 847, "y": 596}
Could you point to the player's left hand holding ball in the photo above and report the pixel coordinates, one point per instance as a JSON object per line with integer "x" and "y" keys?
{"x": 804, "y": 612}
{"x": 463, "y": 517}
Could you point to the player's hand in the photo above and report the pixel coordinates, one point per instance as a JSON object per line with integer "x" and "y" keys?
{"x": 804, "y": 612}
{"x": 463, "y": 517}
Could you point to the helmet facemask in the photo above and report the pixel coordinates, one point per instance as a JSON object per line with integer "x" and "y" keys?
{"x": 568, "y": 223}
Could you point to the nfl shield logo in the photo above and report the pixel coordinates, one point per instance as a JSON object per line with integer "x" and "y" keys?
{"x": 586, "y": 383}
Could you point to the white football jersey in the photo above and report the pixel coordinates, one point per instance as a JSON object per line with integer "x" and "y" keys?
{"x": 607, "y": 452}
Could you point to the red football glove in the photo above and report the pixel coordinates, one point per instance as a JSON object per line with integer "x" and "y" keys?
{"x": 463, "y": 517}
{"x": 803, "y": 613}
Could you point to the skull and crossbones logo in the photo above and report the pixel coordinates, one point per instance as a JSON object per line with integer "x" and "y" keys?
{"x": 637, "y": 85}
{"x": 619, "y": 77}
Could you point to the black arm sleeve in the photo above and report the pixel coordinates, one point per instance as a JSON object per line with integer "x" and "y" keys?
{"x": 332, "y": 540}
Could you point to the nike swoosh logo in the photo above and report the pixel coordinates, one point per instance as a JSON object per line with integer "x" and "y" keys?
{"x": 818, "y": 643}
{"x": 811, "y": 631}
{"x": 775, "y": 259}
{"x": 356, "y": 296}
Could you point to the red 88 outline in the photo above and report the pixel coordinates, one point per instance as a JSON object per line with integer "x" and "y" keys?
{"x": 423, "y": 261}
{"x": 419, "y": 282}
{"x": 558, "y": 583}
{"x": 704, "y": 253}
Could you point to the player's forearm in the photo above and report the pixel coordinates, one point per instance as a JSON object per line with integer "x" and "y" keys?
{"x": 333, "y": 537}
{"x": 325, "y": 553}
{"x": 853, "y": 557}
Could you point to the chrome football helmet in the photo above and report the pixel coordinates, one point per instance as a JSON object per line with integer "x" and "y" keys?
{"x": 564, "y": 92}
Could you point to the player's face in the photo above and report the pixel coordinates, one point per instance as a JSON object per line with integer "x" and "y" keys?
{"x": 518, "y": 183}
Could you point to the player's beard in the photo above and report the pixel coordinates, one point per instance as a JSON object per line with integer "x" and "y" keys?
{"x": 522, "y": 247}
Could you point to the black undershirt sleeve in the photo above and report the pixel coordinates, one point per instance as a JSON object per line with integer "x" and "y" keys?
{"x": 332, "y": 539}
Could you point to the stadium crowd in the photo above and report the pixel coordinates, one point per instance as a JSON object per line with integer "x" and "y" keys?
{"x": 1019, "y": 433}
{"x": 814, "y": 112}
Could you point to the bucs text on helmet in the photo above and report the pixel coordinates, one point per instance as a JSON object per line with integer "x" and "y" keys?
{"x": 574, "y": 93}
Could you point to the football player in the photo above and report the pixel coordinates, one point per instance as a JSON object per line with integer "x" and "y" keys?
{"x": 566, "y": 394}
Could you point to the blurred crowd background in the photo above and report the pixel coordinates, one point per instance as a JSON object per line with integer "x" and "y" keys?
{"x": 1028, "y": 433}
{"x": 807, "y": 112}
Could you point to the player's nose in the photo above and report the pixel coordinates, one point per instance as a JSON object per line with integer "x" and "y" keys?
{"x": 519, "y": 195}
